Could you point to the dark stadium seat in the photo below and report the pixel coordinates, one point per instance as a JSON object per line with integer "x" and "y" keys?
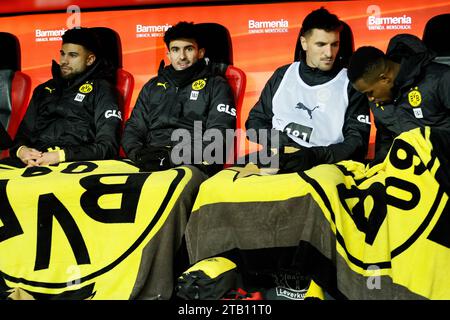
{"x": 219, "y": 50}
{"x": 435, "y": 36}
{"x": 15, "y": 86}
{"x": 111, "y": 46}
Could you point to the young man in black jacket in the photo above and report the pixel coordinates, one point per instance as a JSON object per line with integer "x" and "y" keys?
{"x": 311, "y": 103}
{"x": 185, "y": 96}
{"x": 74, "y": 116}
{"x": 405, "y": 87}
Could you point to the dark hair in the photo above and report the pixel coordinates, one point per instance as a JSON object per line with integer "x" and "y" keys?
{"x": 320, "y": 19}
{"x": 82, "y": 36}
{"x": 182, "y": 30}
{"x": 364, "y": 62}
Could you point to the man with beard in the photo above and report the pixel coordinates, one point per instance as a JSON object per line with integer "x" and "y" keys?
{"x": 319, "y": 116}
{"x": 74, "y": 116}
{"x": 185, "y": 95}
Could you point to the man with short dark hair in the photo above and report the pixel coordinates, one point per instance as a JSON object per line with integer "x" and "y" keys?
{"x": 312, "y": 104}
{"x": 183, "y": 93}
{"x": 405, "y": 88}
{"x": 75, "y": 115}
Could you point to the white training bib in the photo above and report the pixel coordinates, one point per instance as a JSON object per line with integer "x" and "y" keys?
{"x": 311, "y": 115}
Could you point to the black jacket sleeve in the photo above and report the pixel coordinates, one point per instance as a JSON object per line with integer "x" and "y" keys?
{"x": 383, "y": 142}
{"x": 107, "y": 128}
{"x": 222, "y": 112}
{"x": 26, "y": 127}
{"x": 134, "y": 134}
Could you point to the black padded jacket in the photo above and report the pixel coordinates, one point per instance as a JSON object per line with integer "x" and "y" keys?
{"x": 421, "y": 93}
{"x": 81, "y": 117}
{"x": 176, "y": 100}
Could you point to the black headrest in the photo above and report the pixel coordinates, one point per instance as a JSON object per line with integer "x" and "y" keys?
{"x": 6, "y": 76}
{"x": 10, "y": 52}
{"x": 346, "y": 47}
{"x": 110, "y": 45}
{"x": 435, "y": 34}
{"x": 347, "y": 44}
{"x": 217, "y": 42}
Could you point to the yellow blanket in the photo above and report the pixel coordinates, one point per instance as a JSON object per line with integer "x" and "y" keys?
{"x": 93, "y": 230}
{"x": 378, "y": 233}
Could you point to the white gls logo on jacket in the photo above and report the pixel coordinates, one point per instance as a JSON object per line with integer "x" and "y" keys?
{"x": 113, "y": 113}
{"x": 221, "y": 107}
{"x": 363, "y": 118}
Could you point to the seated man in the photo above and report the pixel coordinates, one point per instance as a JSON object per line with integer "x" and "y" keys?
{"x": 405, "y": 88}
{"x": 312, "y": 104}
{"x": 185, "y": 95}
{"x": 74, "y": 116}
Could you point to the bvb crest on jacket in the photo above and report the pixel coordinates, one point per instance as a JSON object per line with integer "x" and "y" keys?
{"x": 86, "y": 88}
{"x": 199, "y": 84}
{"x": 414, "y": 97}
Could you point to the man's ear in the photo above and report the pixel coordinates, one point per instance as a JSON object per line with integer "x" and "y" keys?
{"x": 90, "y": 59}
{"x": 383, "y": 77}
{"x": 201, "y": 53}
{"x": 169, "y": 58}
{"x": 303, "y": 43}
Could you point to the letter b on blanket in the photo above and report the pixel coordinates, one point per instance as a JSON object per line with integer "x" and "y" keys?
{"x": 96, "y": 188}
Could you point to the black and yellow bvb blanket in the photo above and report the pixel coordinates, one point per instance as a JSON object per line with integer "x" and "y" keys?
{"x": 360, "y": 233}
{"x": 92, "y": 230}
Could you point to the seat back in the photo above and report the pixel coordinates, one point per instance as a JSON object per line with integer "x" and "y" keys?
{"x": 111, "y": 50}
{"x": 219, "y": 50}
{"x": 15, "y": 86}
{"x": 125, "y": 85}
{"x": 237, "y": 81}
{"x": 217, "y": 42}
{"x": 435, "y": 37}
